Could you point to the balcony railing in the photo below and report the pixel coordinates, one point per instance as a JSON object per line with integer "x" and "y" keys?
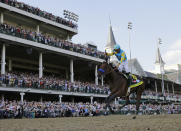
{"x": 49, "y": 40}
{"x": 38, "y": 12}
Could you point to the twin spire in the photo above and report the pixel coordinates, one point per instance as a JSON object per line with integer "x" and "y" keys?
{"x": 159, "y": 59}
{"x": 111, "y": 40}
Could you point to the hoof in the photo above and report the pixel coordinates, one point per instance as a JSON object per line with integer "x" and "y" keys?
{"x": 134, "y": 117}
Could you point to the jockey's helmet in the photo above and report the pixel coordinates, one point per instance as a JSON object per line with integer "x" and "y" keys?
{"x": 116, "y": 48}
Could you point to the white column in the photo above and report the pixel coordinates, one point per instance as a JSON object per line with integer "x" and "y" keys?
{"x": 102, "y": 80}
{"x": 91, "y": 99}
{"x": 173, "y": 89}
{"x": 162, "y": 83}
{"x": 2, "y": 97}
{"x": 22, "y": 96}
{"x": 115, "y": 101}
{"x": 37, "y": 29}
{"x": 2, "y": 18}
{"x": 60, "y": 98}
{"x": 72, "y": 70}
{"x": 96, "y": 78}
{"x": 3, "y": 63}
{"x": 156, "y": 87}
{"x": 40, "y": 66}
{"x": 10, "y": 65}
{"x": 68, "y": 38}
{"x": 168, "y": 89}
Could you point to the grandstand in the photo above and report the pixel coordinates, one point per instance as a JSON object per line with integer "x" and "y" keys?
{"x": 36, "y": 43}
{"x": 39, "y": 62}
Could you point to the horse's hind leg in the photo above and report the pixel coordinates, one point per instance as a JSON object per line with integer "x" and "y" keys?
{"x": 138, "y": 103}
{"x": 127, "y": 102}
{"x": 138, "y": 94}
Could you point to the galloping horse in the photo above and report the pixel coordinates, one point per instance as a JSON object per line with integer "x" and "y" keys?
{"x": 118, "y": 85}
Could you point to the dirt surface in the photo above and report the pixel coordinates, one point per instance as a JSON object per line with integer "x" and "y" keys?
{"x": 101, "y": 123}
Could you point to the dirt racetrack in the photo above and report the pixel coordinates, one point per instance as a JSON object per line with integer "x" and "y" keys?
{"x": 101, "y": 123}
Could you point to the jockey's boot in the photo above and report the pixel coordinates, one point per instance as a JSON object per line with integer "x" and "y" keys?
{"x": 128, "y": 92}
{"x": 129, "y": 82}
{"x": 129, "y": 77}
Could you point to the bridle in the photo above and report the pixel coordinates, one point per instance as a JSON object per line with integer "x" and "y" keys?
{"x": 103, "y": 71}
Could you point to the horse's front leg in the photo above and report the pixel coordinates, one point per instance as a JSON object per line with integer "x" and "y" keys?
{"x": 108, "y": 100}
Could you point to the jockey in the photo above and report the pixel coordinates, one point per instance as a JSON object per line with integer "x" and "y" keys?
{"x": 121, "y": 57}
{"x": 123, "y": 63}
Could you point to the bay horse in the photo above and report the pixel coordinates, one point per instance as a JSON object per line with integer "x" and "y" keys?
{"x": 118, "y": 85}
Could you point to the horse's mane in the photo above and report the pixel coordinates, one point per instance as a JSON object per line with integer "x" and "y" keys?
{"x": 116, "y": 70}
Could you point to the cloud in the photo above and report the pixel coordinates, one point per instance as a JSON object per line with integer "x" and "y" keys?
{"x": 176, "y": 45}
{"x": 173, "y": 55}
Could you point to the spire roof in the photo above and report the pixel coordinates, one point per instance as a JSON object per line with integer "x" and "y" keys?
{"x": 111, "y": 40}
{"x": 159, "y": 59}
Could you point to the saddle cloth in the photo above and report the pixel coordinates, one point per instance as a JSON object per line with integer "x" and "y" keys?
{"x": 134, "y": 81}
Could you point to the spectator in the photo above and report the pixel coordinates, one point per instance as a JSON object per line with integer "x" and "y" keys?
{"x": 48, "y": 40}
{"x": 30, "y": 80}
{"x": 37, "y": 11}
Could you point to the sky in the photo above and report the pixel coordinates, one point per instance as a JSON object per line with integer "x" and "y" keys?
{"x": 152, "y": 19}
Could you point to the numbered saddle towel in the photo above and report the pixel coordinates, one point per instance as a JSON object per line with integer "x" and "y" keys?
{"x": 134, "y": 81}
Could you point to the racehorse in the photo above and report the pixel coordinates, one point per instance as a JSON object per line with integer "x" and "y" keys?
{"x": 118, "y": 85}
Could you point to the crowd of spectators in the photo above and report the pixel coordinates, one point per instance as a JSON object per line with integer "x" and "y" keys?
{"x": 30, "y": 80}
{"x": 51, "y": 82}
{"x": 33, "y": 109}
{"x": 150, "y": 109}
{"x": 49, "y": 40}
{"x": 159, "y": 94}
{"x": 38, "y": 12}
{"x": 15, "y": 109}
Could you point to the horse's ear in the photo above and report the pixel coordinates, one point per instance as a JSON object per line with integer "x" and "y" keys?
{"x": 106, "y": 59}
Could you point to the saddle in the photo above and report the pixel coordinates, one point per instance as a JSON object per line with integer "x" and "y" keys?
{"x": 133, "y": 81}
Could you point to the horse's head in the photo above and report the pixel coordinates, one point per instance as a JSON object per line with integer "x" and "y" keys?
{"x": 104, "y": 69}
